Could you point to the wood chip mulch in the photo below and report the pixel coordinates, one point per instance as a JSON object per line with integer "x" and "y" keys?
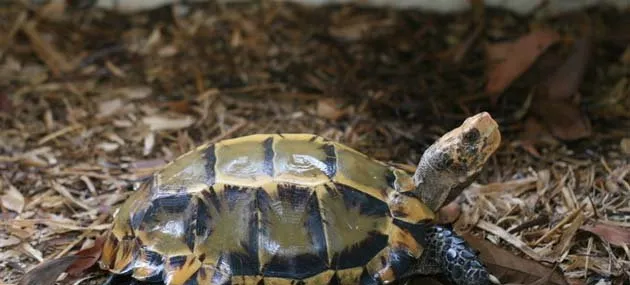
{"x": 91, "y": 104}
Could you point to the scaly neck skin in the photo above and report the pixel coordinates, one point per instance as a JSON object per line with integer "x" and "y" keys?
{"x": 455, "y": 160}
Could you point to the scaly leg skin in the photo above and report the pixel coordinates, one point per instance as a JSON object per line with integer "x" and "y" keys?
{"x": 448, "y": 254}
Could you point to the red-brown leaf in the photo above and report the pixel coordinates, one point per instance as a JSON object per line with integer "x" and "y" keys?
{"x": 615, "y": 235}
{"x": 565, "y": 82}
{"x": 563, "y": 118}
{"x": 510, "y": 268}
{"x": 89, "y": 257}
{"x": 510, "y": 60}
{"x": 47, "y": 272}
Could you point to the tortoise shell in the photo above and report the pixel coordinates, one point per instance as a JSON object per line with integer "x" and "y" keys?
{"x": 270, "y": 209}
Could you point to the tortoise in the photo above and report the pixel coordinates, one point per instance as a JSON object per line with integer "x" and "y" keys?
{"x": 299, "y": 209}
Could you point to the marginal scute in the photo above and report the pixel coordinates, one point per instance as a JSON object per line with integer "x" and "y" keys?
{"x": 148, "y": 265}
{"x": 179, "y": 269}
{"x": 409, "y": 208}
{"x": 360, "y": 172}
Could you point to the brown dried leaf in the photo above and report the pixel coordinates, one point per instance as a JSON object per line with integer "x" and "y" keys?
{"x": 509, "y": 60}
{"x": 557, "y": 102}
{"x": 9, "y": 241}
{"x": 135, "y": 93}
{"x": 564, "y": 83}
{"x": 510, "y": 268}
{"x": 615, "y": 235}
{"x": 625, "y": 145}
{"x": 6, "y": 105}
{"x": 12, "y": 199}
{"x": 329, "y": 109}
{"x": 108, "y": 108}
{"x": 46, "y": 273}
{"x": 88, "y": 257}
{"x": 564, "y": 119}
{"x": 158, "y": 123}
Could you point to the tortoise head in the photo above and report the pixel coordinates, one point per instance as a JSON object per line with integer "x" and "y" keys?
{"x": 456, "y": 159}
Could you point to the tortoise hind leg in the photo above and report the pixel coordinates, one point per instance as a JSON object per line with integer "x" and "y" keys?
{"x": 448, "y": 254}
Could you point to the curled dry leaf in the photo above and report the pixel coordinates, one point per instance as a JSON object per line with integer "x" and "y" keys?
{"x": 88, "y": 257}
{"x": 47, "y": 272}
{"x": 158, "y": 123}
{"x": 557, "y": 102}
{"x": 108, "y": 108}
{"x": 12, "y": 199}
{"x": 134, "y": 93}
{"x": 510, "y": 268}
{"x": 329, "y": 109}
{"x": 510, "y": 60}
{"x": 615, "y": 235}
{"x": 625, "y": 145}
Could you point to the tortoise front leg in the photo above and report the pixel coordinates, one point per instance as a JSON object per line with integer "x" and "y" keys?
{"x": 448, "y": 254}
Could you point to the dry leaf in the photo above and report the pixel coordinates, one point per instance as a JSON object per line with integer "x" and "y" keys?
{"x": 565, "y": 82}
{"x": 88, "y": 257}
{"x": 564, "y": 120}
{"x": 557, "y": 102}
{"x": 12, "y": 199}
{"x": 134, "y": 93}
{"x": 46, "y": 273}
{"x": 108, "y": 108}
{"x": 6, "y": 105}
{"x": 510, "y": 60}
{"x": 158, "y": 123}
{"x": 615, "y": 235}
{"x": 9, "y": 241}
{"x": 510, "y": 268}
{"x": 625, "y": 145}
{"x": 329, "y": 109}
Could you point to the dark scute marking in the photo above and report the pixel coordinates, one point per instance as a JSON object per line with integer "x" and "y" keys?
{"x": 313, "y": 138}
{"x": 244, "y": 264}
{"x": 391, "y": 179}
{"x": 367, "y": 279}
{"x": 315, "y": 226}
{"x": 211, "y": 161}
{"x": 367, "y": 204}
{"x": 418, "y": 231}
{"x": 153, "y": 257}
{"x": 306, "y": 265}
{"x": 203, "y": 218}
{"x": 136, "y": 219}
{"x": 192, "y": 280}
{"x": 177, "y": 261}
{"x": 298, "y": 267}
{"x": 361, "y": 253}
{"x": 400, "y": 262}
{"x": 294, "y": 195}
{"x": 331, "y": 159}
{"x": 268, "y": 161}
{"x": 334, "y": 280}
{"x": 161, "y": 207}
{"x": 190, "y": 234}
{"x": 472, "y": 136}
{"x": 280, "y": 134}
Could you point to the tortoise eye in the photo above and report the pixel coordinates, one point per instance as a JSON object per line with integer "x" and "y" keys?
{"x": 471, "y": 136}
